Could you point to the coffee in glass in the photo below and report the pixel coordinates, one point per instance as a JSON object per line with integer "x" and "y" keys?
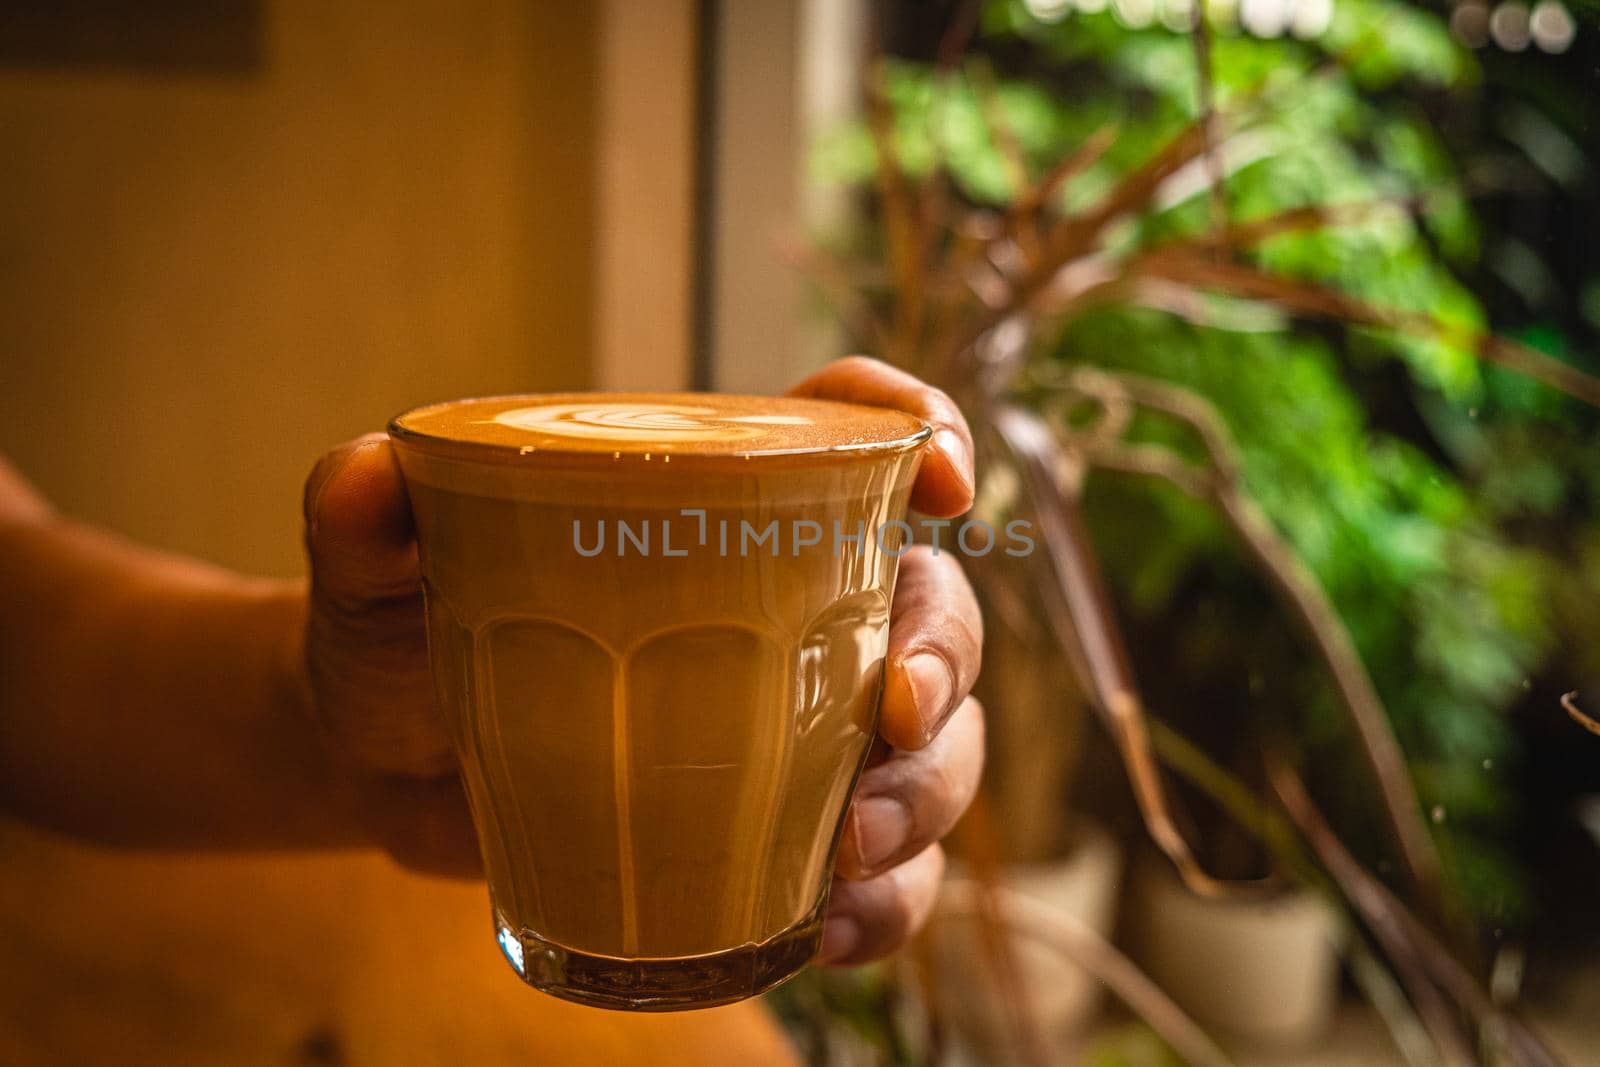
{"x": 657, "y": 625}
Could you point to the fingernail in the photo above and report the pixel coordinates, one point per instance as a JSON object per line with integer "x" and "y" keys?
{"x": 955, "y": 449}
{"x": 931, "y": 688}
{"x": 840, "y": 936}
{"x": 883, "y": 825}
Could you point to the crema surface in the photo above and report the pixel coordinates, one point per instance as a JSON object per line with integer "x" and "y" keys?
{"x": 700, "y": 424}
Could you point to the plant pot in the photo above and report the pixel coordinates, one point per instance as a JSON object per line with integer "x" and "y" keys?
{"x": 1262, "y": 969}
{"x": 968, "y": 994}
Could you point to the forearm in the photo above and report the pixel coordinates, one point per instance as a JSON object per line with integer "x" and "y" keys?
{"x": 149, "y": 699}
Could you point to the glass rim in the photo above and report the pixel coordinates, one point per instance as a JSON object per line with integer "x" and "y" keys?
{"x": 500, "y": 452}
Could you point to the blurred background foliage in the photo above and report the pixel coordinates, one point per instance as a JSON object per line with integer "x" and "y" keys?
{"x": 1448, "y": 507}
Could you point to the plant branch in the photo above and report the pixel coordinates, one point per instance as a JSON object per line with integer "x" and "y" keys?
{"x": 981, "y": 846}
{"x": 1177, "y": 264}
{"x": 1080, "y": 614}
{"x": 904, "y": 227}
{"x": 1252, "y": 233}
{"x": 1377, "y": 909}
{"x": 1407, "y": 942}
{"x": 1238, "y": 802}
{"x": 1389, "y": 1001}
{"x": 958, "y": 34}
{"x": 1297, "y": 588}
{"x": 1280, "y": 837}
{"x": 1035, "y": 199}
{"x": 1569, "y": 701}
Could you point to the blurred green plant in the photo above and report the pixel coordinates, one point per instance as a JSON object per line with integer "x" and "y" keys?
{"x": 1403, "y": 509}
{"x": 846, "y": 1016}
{"x": 1131, "y": 1045}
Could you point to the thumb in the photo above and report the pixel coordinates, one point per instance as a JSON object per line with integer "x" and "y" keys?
{"x": 366, "y": 642}
{"x": 358, "y": 526}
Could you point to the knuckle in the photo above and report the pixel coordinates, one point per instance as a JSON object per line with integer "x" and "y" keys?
{"x": 897, "y": 913}
{"x": 915, "y": 887}
{"x": 953, "y": 783}
{"x": 946, "y": 789}
{"x": 945, "y": 410}
{"x": 384, "y": 621}
{"x": 934, "y": 793}
{"x": 948, "y": 779}
{"x": 856, "y": 362}
{"x": 907, "y": 915}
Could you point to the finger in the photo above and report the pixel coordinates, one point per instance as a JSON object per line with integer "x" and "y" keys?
{"x": 870, "y": 919}
{"x": 358, "y": 525}
{"x": 913, "y": 799}
{"x": 366, "y": 640}
{"x": 935, "y": 647}
{"x": 944, "y": 484}
{"x": 425, "y": 824}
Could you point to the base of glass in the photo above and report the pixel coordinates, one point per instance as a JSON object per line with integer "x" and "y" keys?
{"x": 672, "y": 984}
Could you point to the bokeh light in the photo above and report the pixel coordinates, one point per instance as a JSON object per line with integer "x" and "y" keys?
{"x": 1311, "y": 18}
{"x": 1552, "y": 26}
{"x": 1508, "y": 25}
{"x": 1048, "y": 10}
{"x": 1265, "y": 18}
{"x": 1134, "y": 14}
{"x": 1469, "y": 23}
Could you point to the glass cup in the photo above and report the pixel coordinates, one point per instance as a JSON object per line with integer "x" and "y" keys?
{"x": 657, "y": 625}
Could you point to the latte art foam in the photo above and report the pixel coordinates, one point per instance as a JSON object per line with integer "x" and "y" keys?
{"x": 611, "y": 421}
{"x": 607, "y": 426}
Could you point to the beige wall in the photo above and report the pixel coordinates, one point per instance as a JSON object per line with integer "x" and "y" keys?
{"x": 206, "y": 279}
{"x": 645, "y": 212}
{"x": 787, "y": 70}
